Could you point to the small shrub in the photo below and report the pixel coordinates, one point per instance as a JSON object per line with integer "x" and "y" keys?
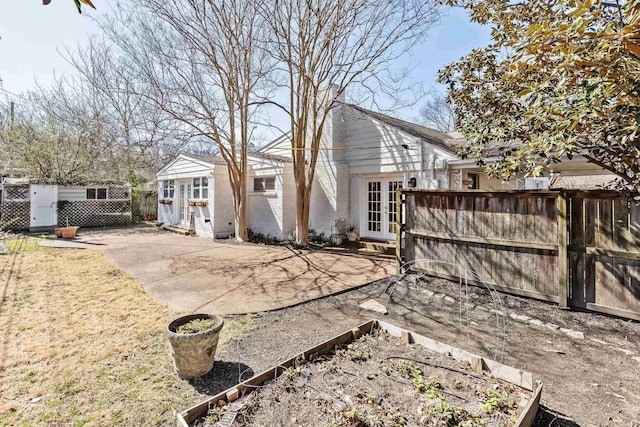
{"x": 196, "y": 325}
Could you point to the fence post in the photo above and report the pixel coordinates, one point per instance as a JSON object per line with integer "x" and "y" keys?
{"x": 398, "y": 230}
{"x": 563, "y": 259}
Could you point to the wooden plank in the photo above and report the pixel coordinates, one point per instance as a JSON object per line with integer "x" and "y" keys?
{"x": 605, "y": 277}
{"x": 604, "y": 230}
{"x": 485, "y": 241}
{"x": 200, "y": 409}
{"x": 528, "y": 415}
{"x": 551, "y": 215}
{"x": 496, "y": 369}
{"x": 621, "y": 234}
{"x": 528, "y": 225}
{"x": 576, "y": 278}
{"x": 563, "y": 282}
{"x": 516, "y": 226}
{"x": 478, "y": 217}
{"x": 468, "y": 206}
{"x": 634, "y": 222}
{"x": 590, "y": 221}
{"x": 633, "y": 283}
{"x": 501, "y": 288}
{"x": 590, "y": 250}
{"x": 576, "y": 225}
{"x": 589, "y": 279}
{"x": 539, "y": 221}
{"x": 613, "y": 311}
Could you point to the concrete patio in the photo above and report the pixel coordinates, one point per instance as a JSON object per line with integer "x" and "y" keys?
{"x": 223, "y": 277}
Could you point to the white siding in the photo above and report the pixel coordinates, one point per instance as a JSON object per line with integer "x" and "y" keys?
{"x": 184, "y": 167}
{"x": 222, "y": 202}
{"x": 72, "y": 194}
{"x": 355, "y": 194}
{"x": 330, "y": 192}
{"x": 165, "y": 212}
{"x": 266, "y": 213}
{"x": 280, "y": 146}
{"x": 202, "y": 213}
{"x": 374, "y": 147}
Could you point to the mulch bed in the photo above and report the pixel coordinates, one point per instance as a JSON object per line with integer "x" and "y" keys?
{"x": 375, "y": 381}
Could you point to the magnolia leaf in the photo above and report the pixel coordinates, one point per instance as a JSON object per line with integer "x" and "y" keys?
{"x": 78, "y": 4}
{"x": 633, "y": 48}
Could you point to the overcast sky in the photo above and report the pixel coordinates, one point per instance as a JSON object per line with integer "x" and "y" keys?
{"x": 31, "y": 35}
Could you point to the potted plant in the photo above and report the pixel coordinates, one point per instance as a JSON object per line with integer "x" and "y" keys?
{"x": 66, "y": 232}
{"x": 352, "y": 234}
{"x": 194, "y": 339}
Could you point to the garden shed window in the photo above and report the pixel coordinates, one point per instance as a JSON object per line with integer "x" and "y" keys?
{"x": 168, "y": 188}
{"x": 200, "y": 188}
{"x": 262, "y": 184}
{"x": 96, "y": 193}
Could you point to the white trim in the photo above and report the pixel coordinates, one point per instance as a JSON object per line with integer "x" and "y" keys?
{"x": 364, "y": 203}
{"x": 191, "y": 159}
{"x": 276, "y": 141}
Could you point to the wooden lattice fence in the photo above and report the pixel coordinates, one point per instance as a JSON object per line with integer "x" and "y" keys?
{"x": 575, "y": 248}
{"x": 15, "y": 207}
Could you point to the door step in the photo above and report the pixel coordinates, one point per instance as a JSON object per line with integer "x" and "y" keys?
{"x": 369, "y": 245}
{"x": 177, "y": 230}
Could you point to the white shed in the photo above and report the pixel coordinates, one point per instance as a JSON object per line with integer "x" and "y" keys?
{"x": 194, "y": 193}
{"x": 187, "y": 188}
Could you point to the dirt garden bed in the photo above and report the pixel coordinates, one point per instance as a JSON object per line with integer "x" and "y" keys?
{"x": 371, "y": 377}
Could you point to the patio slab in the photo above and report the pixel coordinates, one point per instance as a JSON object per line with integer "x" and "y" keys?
{"x": 198, "y": 274}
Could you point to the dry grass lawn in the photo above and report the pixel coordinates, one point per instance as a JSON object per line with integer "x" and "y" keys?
{"x": 82, "y": 344}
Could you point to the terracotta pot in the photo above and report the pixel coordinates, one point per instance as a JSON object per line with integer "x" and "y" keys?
{"x": 193, "y": 354}
{"x": 68, "y": 232}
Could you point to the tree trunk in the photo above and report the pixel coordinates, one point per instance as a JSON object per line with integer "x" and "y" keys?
{"x": 240, "y": 211}
{"x": 302, "y": 216}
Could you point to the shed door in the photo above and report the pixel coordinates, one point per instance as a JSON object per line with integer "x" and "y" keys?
{"x": 44, "y": 201}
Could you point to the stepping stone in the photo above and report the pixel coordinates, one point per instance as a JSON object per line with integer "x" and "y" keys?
{"x": 373, "y": 305}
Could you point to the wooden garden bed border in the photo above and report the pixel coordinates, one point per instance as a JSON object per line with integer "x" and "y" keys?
{"x": 506, "y": 373}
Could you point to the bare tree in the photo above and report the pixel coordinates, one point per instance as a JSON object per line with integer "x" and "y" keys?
{"x": 322, "y": 44}
{"x": 205, "y": 64}
{"x": 438, "y": 114}
{"x": 57, "y": 135}
{"x": 139, "y": 134}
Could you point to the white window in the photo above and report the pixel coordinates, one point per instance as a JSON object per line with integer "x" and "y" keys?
{"x": 263, "y": 184}
{"x": 200, "y": 188}
{"x": 96, "y": 193}
{"x": 168, "y": 188}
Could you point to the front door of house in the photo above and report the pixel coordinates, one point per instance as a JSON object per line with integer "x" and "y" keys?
{"x": 44, "y": 205}
{"x": 184, "y": 190}
{"x": 381, "y": 208}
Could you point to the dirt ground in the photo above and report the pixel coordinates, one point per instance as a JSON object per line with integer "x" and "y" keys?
{"x": 376, "y": 381}
{"x": 589, "y": 381}
{"x": 82, "y": 344}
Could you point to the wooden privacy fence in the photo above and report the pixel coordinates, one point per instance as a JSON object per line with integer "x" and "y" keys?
{"x": 145, "y": 203}
{"x": 578, "y": 249}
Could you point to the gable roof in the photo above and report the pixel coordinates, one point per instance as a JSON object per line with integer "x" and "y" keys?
{"x": 268, "y": 156}
{"x": 432, "y": 136}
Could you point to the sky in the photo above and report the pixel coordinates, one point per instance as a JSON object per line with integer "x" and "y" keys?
{"x": 32, "y": 35}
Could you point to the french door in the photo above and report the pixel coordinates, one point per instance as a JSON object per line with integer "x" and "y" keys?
{"x": 381, "y": 209}
{"x": 184, "y": 190}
